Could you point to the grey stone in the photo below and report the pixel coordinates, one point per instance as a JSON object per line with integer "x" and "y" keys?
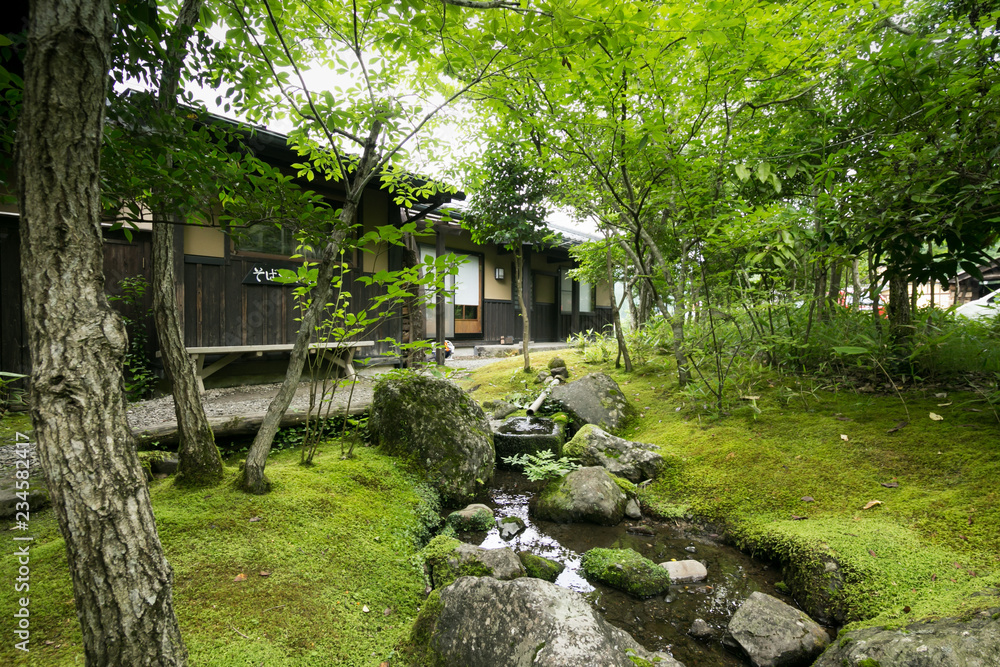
{"x": 700, "y": 629}
{"x": 500, "y": 409}
{"x": 941, "y": 643}
{"x": 439, "y": 429}
{"x": 685, "y": 571}
{"x": 560, "y": 372}
{"x": 690, "y": 550}
{"x": 482, "y": 622}
{"x": 36, "y": 495}
{"x": 634, "y": 461}
{"x": 556, "y": 362}
{"x": 593, "y": 399}
{"x": 509, "y": 526}
{"x": 773, "y": 634}
{"x": 540, "y": 567}
{"x": 586, "y": 495}
{"x": 542, "y": 377}
{"x": 632, "y": 510}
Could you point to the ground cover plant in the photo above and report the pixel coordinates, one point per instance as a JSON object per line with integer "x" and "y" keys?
{"x": 789, "y": 468}
{"x": 317, "y": 572}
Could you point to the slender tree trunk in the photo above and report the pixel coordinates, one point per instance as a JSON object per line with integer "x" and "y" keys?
{"x": 525, "y": 323}
{"x": 833, "y": 291}
{"x": 253, "y": 480}
{"x": 899, "y": 308}
{"x": 856, "y": 283}
{"x": 616, "y": 313}
{"x": 121, "y": 579}
{"x": 199, "y": 462}
{"x": 414, "y": 306}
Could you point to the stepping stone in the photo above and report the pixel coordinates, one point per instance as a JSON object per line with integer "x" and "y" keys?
{"x": 685, "y": 571}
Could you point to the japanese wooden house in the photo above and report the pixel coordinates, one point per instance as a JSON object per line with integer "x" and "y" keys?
{"x": 227, "y": 296}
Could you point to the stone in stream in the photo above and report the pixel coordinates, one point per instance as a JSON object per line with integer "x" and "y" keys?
{"x": 632, "y": 510}
{"x": 509, "y": 526}
{"x": 635, "y": 461}
{"x": 483, "y": 622}
{"x": 700, "y": 629}
{"x": 472, "y": 517}
{"x": 685, "y": 571}
{"x": 627, "y": 570}
{"x": 586, "y": 495}
{"x": 439, "y": 429}
{"x": 774, "y": 634}
{"x": 540, "y": 567}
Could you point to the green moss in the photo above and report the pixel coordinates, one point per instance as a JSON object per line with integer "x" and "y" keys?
{"x": 481, "y": 520}
{"x": 331, "y": 546}
{"x": 539, "y": 567}
{"x": 869, "y": 662}
{"x": 446, "y": 566}
{"x": 626, "y": 570}
{"x": 147, "y": 458}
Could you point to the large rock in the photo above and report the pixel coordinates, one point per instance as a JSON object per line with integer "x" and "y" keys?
{"x": 773, "y": 634}
{"x": 685, "y": 571}
{"x": 593, "y": 399}
{"x": 471, "y": 518}
{"x": 446, "y": 559}
{"x": 586, "y": 495}
{"x": 627, "y": 570}
{"x": 482, "y": 622}
{"x": 439, "y": 429}
{"x": 942, "y": 643}
{"x": 635, "y": 461}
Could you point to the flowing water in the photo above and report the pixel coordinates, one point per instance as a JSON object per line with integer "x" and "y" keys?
{"x": 658, "y": 623}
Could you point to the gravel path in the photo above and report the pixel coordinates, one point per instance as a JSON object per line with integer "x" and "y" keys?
{"x": 245, "y": 400}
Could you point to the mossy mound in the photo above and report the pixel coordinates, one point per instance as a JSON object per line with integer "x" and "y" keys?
{"x": 540, "y": 567}
{"x": 626, "y": 570}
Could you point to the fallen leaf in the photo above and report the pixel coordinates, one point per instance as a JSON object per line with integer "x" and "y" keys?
{"x": 387, "y": 611}
{"x": 970, "y": 520}
{"x": 943, "y": 394}
{"x": 240, "y": 577}
{"x": 936, "y": 417}
{"x": 872, "y": 553}
{"x": 890, "y": 485}
{"x": 798, "y": 518}
{"x": 844, "y": 419}
{"x": 898, "y": 426}
{"x": 254, "y": 519}
{"x": 730, "y": 456}
{"x": 958, "y": 566}
{"x": 365, "y": 609}
{"x": 871, "y": 503}
{"x": 265, "y": 573}
{"x": 750, "y": 398}
{"x": 944, "y": 405}
{"x": 906, "y": 610}
{"x": 933, "y": 577}
{"x": 844, "y": 437}
{"x": 807, "y": 499}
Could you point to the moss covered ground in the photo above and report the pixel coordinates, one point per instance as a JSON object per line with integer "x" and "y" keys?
{"x": 928, "y": 547}
{"x": 327, "y": 558}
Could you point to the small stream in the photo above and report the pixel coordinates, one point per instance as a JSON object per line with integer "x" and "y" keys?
{"x": 659, "y": 623}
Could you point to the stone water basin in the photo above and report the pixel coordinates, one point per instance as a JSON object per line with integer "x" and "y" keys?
{"x": 658, "y": 623}
{"x": 528, "y": 435}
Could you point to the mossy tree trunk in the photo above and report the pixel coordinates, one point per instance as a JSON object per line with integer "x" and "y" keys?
{"x": 121, "y": 579}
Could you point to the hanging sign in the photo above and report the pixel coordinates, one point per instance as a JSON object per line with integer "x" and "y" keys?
{"x": 264, "y": 274}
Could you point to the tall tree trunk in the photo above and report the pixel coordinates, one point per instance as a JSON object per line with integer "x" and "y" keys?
{"x": 253, "y": 480}
{"x": 899, "y": 308}
{"x": 121, "y": 579}
{"x": 856, "y": 284}
{"x": 199, "y": 462}
{"x": 616, "y": 312}
{"x": 833, "y": 291}
{"x": 414, "y": 306}
{"x": 525, "y": 321}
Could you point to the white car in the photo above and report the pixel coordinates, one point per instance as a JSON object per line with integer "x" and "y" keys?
{"x": 984, "y": 306}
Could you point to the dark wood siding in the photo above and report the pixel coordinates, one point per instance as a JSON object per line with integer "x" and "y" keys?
{"x": 220, "y": 310}
{"x": 14, "y": 356}
{"x": 499, "y": 320}
{"x": 544, "y": 322}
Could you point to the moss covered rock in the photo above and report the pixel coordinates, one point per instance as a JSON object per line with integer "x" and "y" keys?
{"x": 635, "y": 461}
{"x": 587, "y": 495}
{"x": 482, "y": 622}
{"x": 626, "y": 570}
{"x": 540, "y": 567}
{"x": 472, "y": 517}
{"x": 446, "y": 559}
{"x": 439, "y": 429}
